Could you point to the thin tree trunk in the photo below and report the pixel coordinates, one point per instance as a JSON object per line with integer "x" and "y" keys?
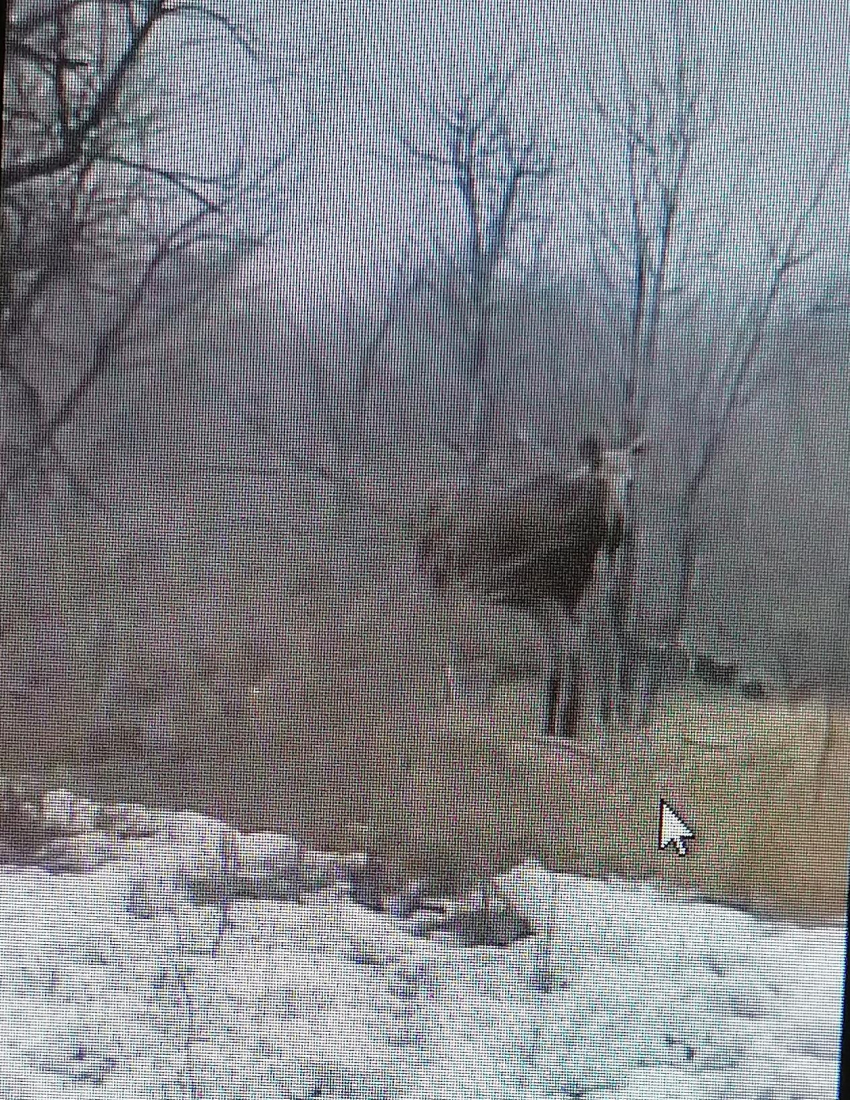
{"x": 686, "y": 569}
{"x": 487, "y": 396}
{"x": 621, "y": 614}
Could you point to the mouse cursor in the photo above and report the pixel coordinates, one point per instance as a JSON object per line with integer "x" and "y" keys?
{"x": 672, "y": 830}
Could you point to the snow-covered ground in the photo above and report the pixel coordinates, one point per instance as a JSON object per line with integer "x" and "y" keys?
{"x": 111, "y": 986}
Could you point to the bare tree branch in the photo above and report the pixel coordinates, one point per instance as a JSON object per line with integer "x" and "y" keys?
{"x": 74, "y": 135}
{"x": 473, "y": 151}
{"x": 71, "y": 197}
{"x": 102, "y": 359}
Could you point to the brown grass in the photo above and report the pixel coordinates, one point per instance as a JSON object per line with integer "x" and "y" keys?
{"x": 316, "y": 705}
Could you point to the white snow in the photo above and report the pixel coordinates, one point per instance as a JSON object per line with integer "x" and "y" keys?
{"x": 627, "y": 993}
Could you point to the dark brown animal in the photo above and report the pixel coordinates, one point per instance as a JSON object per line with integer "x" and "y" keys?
{"x": 534, "y": 548}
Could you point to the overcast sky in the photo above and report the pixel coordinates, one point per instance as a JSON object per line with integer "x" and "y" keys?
{"x": 359, "y": 71}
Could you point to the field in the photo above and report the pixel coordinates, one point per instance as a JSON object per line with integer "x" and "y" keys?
{"x": 279, "y": 690}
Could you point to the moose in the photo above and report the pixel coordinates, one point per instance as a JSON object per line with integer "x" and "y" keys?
{"x": 534, "y": 548}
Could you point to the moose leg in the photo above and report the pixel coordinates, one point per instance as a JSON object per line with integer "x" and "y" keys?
{"x": 561, "y": 718}
{"x": 555, "y": 680}
{"x": 571, "y": 699}
{"x": 563, "y": 684}
{"x": 570, "y": 693}
{"x": 553, "y": 699}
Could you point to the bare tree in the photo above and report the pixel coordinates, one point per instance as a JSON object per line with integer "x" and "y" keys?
{"x": 473, "y": 149}
{"x": 640, "y": 143}
{"x": 725, "y": 390}
{"x": 73, "y": 68}
{"x": 655, "y": 234}
{"x": 655, "y": 127}
{"x": 342, "y": 357}
{"x": 342, "y": 388}
{"x": 93, "y": 182}
{"x": 110, "y": 228}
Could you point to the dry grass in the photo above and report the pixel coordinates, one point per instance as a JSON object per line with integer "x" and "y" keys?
{"x": 314, "y": 703}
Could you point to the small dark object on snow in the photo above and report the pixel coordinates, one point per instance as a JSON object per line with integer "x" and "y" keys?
{"x": 366, "y": 884}
{"x": 483, "y": 926}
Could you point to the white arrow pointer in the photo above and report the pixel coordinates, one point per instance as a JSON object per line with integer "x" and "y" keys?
{"x": 671, "y": 829}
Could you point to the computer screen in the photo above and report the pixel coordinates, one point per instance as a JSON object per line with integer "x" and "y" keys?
{"x": 424, "y": 584}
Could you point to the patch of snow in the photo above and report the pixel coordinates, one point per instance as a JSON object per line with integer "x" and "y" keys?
{"x": 114, "y": 984}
